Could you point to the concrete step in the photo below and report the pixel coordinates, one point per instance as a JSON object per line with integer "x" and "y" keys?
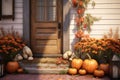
{"x": 46, "y": 70}
{"x": 45, "y": 65}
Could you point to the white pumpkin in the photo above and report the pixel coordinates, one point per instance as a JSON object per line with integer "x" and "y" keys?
{"x": 18, "y": 57}
{"x": 25, "y": 56}
{"x": 27, "y": 50}
{"x": 67, "y": 54}
{"x": 72, "y": 56}
{"x": 30, "y": 58}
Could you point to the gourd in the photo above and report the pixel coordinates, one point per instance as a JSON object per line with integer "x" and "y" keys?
{"x": 99, "y": 73}
{"x": 76, "y": 63}
{"x": 104, "y": 67}
{"x": 72, "y": 71}
{"x": 82, "y": 71}
{"x": 67, "y": 54}
{"x": 12, "y": 66}
{"x": 18, "y": 57}
{"x": 20, "y": 70}
{"x": 90, "y": 65}
{"x": 27, "y": 52}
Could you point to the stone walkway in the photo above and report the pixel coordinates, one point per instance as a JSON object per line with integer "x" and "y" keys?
{"x": 50, "y": 77}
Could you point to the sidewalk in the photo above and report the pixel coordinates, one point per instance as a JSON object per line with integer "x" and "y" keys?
{"x": 50, "y": 77}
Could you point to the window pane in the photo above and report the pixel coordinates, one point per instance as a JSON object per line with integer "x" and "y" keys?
{"x": 51, "y": 14}
{"x": 51, "y": 2}
{"x": 7, "y": 8}
{"x": 40, "y": 2}
{"x": 40, "y": 14}
{"x": 46, "y": 10}
{"x": 40, "y": 11}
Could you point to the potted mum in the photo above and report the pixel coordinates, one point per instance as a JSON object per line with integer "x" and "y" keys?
{"x": 100, "y": 49}
{"x": 10, "y": 45}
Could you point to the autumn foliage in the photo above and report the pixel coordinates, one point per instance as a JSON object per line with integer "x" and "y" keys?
{"x": 101, "y": 47}
{"x": 10, "y": 43}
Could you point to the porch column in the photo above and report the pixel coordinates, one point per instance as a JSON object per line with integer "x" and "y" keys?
{"x": 26, "y": 21}
{"x": 66, "y": 24}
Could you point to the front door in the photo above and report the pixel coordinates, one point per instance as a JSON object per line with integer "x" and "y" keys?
{"x": 46, "y": 26}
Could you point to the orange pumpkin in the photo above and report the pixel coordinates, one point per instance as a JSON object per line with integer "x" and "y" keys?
{"x": 104, "y": 67}
{"x": 90, "y": 65}
{"x": 99, "y": 73}
{"x": 72, "y": 71}
{"x": 82, "y": 71}
{"x": 76, "y": 63}
{"x": 20, "y": 70}
{"x": 12, "y": 66}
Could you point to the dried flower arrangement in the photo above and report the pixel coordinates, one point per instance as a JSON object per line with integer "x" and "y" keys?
{"x": 83, "y": 21}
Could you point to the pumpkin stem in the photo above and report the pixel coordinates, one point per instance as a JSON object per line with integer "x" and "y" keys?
{"x": 88, "y": 56}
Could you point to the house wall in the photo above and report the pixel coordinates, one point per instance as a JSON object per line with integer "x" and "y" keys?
{"x": 21, "y": 22}
{"x": 17, "y": 24}
{"x": 107, "y": 10}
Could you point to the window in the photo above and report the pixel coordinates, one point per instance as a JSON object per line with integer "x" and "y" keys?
{"x": 7, "y": 9}
{"x": 46, "y": 10}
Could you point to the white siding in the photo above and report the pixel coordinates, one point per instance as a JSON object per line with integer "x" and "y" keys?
{"x": 107, "y": 10}
{"x": 17, "y": 24}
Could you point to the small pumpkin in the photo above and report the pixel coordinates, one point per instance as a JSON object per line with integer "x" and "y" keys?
{"x": 67, "y": 54}
{"x": 76, "y": 63}
{"x": 82, "y": 71}
{"x": 20, "y": 70}
{"x": 99, "y": 73}
{"x": 12, "y": 66}
{"x": 104, "y": 67}
{"x": 90, "y": 65}
{"x": 27, "y": 52}
{"x": 72, "y": 71}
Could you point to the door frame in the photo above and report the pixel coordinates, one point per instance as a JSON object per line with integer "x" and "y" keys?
{"x": 66, "y": 22}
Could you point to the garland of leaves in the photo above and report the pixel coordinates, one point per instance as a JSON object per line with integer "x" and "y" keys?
{"x": 83, "y": 22}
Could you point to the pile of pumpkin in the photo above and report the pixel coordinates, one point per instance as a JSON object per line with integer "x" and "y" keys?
{"x": 88, "y": 66}
{"x": 14, "y": 67}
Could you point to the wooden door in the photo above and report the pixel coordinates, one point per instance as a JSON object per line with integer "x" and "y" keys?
{"x": 46, "y": 26}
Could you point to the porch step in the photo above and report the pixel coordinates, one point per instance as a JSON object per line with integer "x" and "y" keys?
{"x": 45, "y": 66}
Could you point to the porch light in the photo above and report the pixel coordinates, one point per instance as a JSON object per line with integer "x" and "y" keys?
{"x": 7, "y": 9}
{"x": 115, "y": 67}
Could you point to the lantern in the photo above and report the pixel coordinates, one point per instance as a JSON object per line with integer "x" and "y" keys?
{"x": 1, "y": 67}
{"x": 115, "y": 67}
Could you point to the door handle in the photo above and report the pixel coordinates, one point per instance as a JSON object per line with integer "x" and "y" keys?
{"x": 59, "y": 30}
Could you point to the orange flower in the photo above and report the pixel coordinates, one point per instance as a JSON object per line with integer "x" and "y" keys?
{"x": 10, "y": 44}
{"x": 98, "y": 46}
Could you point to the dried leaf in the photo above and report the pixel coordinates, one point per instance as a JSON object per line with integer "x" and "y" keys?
{"x": 116, "y": 35}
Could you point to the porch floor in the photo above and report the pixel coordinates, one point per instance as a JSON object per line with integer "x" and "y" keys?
{"x": 50, "y": 77}
{"x": 47, "y": 69}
